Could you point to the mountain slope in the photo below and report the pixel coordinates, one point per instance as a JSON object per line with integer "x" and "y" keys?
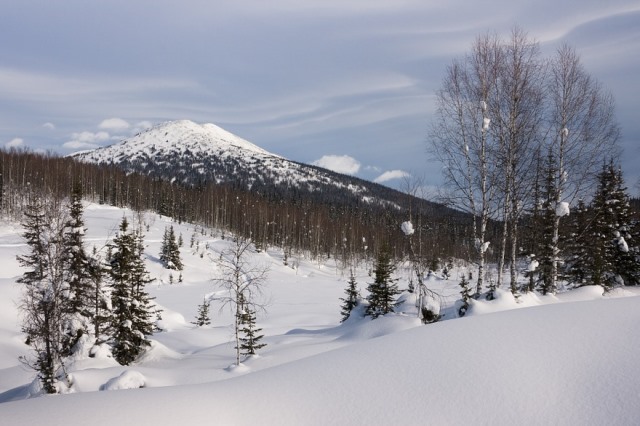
{"x": 195, "y": 155}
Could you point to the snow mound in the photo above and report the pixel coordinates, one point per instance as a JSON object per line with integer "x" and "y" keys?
{"x": 158, "y": 351}
{"x": 129, "y": 379}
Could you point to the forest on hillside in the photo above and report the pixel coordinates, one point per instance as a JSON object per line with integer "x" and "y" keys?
{"x": 346, "y": 230}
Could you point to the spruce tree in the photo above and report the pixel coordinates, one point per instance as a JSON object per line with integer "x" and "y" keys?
{"x": 250, "y": 337}
{"x": 383, "y": 289}
{"x": 77, "y": 271}
{"x": 202, "y": 318}
{"x": 614, "y": 261}
{"x": 170, "y": 251}
{"x": 100, "y": 303}
{"x": 131, "y": 320}
{"x": 465, "y": 292}
{"x": 548, "y": 247}
{"x": 626, "y": 262}
{"x": 579, "y": 257}
{"x": 352, "y": 300}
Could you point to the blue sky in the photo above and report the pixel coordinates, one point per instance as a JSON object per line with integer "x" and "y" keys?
{"x": 348, "y": 84}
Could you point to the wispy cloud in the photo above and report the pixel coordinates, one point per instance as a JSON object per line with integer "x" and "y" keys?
{"x": 86, "y": 140}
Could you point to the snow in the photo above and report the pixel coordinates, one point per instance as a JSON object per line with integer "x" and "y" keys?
{"x": 485, "y": 123}
{"x": 569, "y": 358}
{"x": 562, "y": 209}
{"x": 407, "y": 228}
{"x": 622, "y": 245}
{"x": 129, "y": 379}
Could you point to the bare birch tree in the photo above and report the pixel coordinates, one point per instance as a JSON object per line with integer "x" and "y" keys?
{"x": 462, "y": 141}
{"x": 242, "y": 282}
{"x": 582, "y": 131}
{"x": 518, "y": 117}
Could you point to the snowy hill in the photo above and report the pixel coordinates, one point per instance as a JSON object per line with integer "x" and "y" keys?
{"x": 195, "y": 154}
{"x": 568, "y": 359}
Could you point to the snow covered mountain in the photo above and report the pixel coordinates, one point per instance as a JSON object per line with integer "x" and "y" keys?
{"x": 196, "y": 154}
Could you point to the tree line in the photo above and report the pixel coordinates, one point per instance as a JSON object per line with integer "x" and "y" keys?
{"x": 344, "y": 231}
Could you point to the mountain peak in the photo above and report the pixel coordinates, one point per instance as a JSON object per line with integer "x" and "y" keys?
{"x": 195, "y": 154}
{"x": 191, "y": 135}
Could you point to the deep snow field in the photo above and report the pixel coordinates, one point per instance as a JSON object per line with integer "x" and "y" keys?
{"x": 572, "y": 359}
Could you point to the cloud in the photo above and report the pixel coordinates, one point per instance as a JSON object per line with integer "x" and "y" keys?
{"x": 49, "y": 126}
{"x": 14, "y": 143}
{"x": 86, "y": 140}
{"x": 114, "y": 124}
{"x": 141, "y": 127}
{"x": 79, "y": 145}
{"x": 391, "y": 175}
{"x": 339, "y": 164}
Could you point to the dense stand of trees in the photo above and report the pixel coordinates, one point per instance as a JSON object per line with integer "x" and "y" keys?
{"x": 344, "y": 230}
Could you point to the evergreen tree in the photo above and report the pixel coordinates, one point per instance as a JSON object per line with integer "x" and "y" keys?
{"x": 548, "y": 249}
{"x": 383, "y": 289}
{"x": 580, "y": 255}
{"x": 77, "y": 271}
{"x": 131, "y": 321}
{"x": 613, "y": 248}
{"x": 352, "y": 300}
{"x": 202, "y": 318}
{"x": 100, "y": 300}
{"x": 44, "y": 305}
{"x": 170, "y": 250}
{"x": 250, "y": 338}
{"x": 626, "y": 262}
{"x": 465, "y": 292}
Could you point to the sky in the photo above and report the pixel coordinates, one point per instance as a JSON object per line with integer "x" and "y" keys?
{"x": 347, "y": 85}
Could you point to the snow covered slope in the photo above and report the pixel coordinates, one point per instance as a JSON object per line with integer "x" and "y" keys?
{"x": 176, "y": 139}
{"x": 193, "y": 154}
{"x": 569, "y": 359}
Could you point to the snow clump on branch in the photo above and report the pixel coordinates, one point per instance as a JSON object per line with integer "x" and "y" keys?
{"x": 562, "y": 209}
{"x": 407, "y": 228}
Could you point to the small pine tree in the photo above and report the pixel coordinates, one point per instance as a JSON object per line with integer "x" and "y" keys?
{"x": 466, "y": 296}
{"x": 352, "y": 300}
{"x": 383, "y": 289}
{"x": 202, "y": 318}
{"x": 170, "y": 251}
{"x": 250, "y": 339}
